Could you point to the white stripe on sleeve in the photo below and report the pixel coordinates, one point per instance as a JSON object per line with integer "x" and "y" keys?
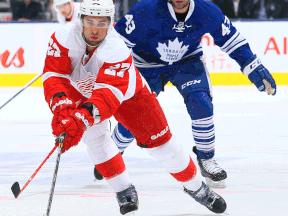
{"x": 52, "y": 74}
{"x": 118, "y": 94}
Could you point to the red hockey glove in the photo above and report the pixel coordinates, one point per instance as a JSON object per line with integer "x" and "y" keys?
{"x": 61, "y": 103}
{"x": 74, "y": 125}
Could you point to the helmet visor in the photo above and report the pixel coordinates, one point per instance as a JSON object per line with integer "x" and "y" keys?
{"x": 91, "y": 23}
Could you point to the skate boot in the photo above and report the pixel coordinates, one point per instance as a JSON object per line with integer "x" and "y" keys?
{"x": 128, "y": 200}
{"x": 97, "y": 175}
{"x": 214, "y": 175}
{"x": 205, "y": 196}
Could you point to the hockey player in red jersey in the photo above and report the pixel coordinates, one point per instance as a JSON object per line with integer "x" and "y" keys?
{"x": 89, "y": 75}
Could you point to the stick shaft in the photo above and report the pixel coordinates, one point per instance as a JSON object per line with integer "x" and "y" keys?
{"x": 53, "y": 181}
{"x": 28, "y": 84}
{"x": 31, "y": 178}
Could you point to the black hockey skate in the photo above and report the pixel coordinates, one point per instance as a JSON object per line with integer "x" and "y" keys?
{"x": 128, "y": 200}
{"x": 97, "y": 175}
{"x": 215, "y": 176}
{"x": 205, "y": 196}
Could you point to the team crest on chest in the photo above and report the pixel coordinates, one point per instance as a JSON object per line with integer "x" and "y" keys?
{"x": 180, "y": 27}
{"x": 173, "y": 52}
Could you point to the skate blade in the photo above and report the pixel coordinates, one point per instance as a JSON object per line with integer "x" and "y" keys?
{"x": 131, "y": 214}
{"x": 214, "y": 184}
{"x": 225, "y": 213}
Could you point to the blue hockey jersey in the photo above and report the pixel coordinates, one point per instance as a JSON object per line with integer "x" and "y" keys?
{"x": 157, "y": 38}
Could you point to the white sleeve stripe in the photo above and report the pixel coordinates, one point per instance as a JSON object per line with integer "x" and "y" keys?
{"x": 194, "y": 53}
{"x": 118, "y": 94}
{"x": 148, "y": 65}
{"x": 239, "y": 39}
{"x": 128, "y": 43}
{"x": 52, "y": 74}
{"x": 230, "y": 40}
{"x": 234, "y": 44}
{"x": 237, "y": 46}
{"x": 231, "y": 43}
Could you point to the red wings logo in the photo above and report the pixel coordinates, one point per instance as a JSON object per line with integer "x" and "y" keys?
{"x": 18, "y": 55}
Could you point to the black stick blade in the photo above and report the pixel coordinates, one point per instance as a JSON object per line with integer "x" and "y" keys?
{"x": 15, "y": 189}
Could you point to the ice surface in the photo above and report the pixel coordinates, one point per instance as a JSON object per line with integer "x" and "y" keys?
{"x": 251, "y": 144}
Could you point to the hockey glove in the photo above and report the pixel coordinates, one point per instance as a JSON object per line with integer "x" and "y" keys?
{"x": 260, "y": 76}
{"x": 74, "y": 125}
{"x": 60, "y": 103}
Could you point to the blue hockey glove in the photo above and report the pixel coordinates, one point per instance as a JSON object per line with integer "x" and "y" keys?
{"x": 260, "y": 76}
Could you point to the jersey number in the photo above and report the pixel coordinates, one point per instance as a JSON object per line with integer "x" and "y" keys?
{"x": 226, "y": 28}
{"x": 53, "y": 49}
{"x": 130, "y": 25}
{"x": 117, "y": 70}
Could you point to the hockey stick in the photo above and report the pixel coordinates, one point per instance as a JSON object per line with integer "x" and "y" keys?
{"x": 16, "y": 187}
{"x": 28, "y": 84}
{"x": 60, "y": 140}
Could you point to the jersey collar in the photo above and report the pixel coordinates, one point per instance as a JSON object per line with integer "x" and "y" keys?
{"x": 190, "y": 12}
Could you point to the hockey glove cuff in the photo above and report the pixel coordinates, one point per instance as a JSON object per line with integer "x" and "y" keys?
{"x": 60, "y": 102}
{"x": 259, "y": 76}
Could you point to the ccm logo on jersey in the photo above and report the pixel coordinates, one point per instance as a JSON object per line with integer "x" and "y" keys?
{"x": 85, "y": 121}
{"x": 190, "y": 83}
{"x": 67, "y": 101}
{"x": 160, "y": 134}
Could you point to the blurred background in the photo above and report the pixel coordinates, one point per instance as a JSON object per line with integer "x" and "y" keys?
{"x": 26, "y": 27}
{"x": 235, "y": 9}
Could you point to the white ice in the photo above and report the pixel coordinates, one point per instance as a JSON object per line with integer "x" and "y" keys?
{"x": 251, "y": 140}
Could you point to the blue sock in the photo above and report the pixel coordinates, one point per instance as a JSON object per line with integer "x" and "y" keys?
{"x": 200, "y": 109}
{"x": 122, "y": 137}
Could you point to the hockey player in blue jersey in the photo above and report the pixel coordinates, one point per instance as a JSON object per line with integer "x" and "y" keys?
{"x": 165, "y": 36}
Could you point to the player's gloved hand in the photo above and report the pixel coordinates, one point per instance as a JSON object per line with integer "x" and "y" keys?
{"x": 260, "y": 76}
{"x": 60, "y": 103}
{"x": 74, "y": 125}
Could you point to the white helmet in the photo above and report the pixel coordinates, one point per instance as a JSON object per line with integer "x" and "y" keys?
{"x": 98, "y": 8}
{"x": 60, "y": 2}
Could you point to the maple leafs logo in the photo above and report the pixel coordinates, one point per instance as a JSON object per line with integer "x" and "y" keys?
{"x": 173, "y": 52}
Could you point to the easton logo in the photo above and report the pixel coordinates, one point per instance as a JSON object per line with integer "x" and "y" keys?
{"x": 160, "y": 134}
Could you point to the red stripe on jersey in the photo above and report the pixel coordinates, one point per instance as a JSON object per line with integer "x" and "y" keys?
{"x": 105, "y": 101}
{"x": 187, "y": 174}
{"x": 111, "y": 168}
